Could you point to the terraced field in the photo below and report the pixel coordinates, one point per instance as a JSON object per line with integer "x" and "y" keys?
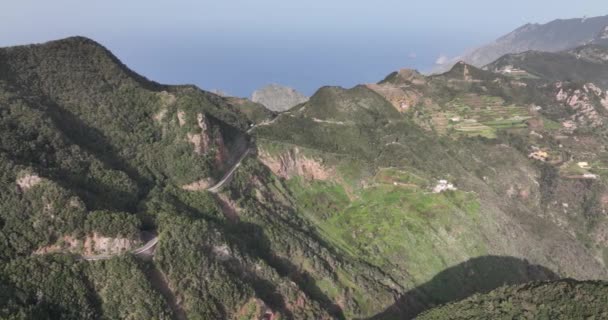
{"x": 475, "y": 115}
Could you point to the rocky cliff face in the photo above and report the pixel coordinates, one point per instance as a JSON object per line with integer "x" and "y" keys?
{"x": 278, "y": 98}
{"x": 293, "y": 164}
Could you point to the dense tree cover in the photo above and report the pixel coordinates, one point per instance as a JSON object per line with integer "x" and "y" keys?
{"x": 61, "y": 287}
{"x": 87, "y": 146}
{"x": 105, "y": 107}
{"x": 72, "y": 115}
{"x": 112, "y": 224}
{"x": 125, "y": 291}
{"x": 108, "y": 151}
{"x": 563, "y": 299}
{"x": 36, "y": 215}
{"x": 186, "y": 254}
{"x": 52, "y": 287}
{"x": 87, "y": 101}
{"x": 217, "y": 269}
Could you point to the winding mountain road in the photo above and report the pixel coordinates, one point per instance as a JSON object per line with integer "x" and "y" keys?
{"x": 144, "y": 250}
{"x": 265, "y": 122}
{"x": 228, "y": 176}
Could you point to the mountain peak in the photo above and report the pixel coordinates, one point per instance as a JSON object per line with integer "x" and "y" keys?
{"x": 464, "y": 71}
{"x": 73, "y": 43}
{"x": 404, "y": 76}
{"x": 354, "y": 104}
{"x": 71, "y": 58}
{"x": 78, "y": 40}
{"x": 277, "y": 97}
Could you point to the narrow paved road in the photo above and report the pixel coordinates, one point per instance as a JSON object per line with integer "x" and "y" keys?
{"x": 265, "y": 123}
{"x": 146, "y": 246}
{"x": 228, "y": 176}
{"x": 150, "y": 244}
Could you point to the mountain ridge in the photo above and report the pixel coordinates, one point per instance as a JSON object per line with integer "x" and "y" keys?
{"x": 550, "y": 37}
{"x": 588, "y": 63}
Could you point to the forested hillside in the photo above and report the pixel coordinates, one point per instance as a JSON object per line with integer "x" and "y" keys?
{"x": 380, "y": 201}
{"x": 563, "y": 299}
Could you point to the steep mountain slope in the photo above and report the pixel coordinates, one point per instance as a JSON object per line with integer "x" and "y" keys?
{"x": 378, "y": 201}
{"x": 541, "y": 300}
{"x": 92, "y": 155}
{"x": 278, "y": 98}
{"x": 365, "y": 171}
{"x": 555, "y": 36}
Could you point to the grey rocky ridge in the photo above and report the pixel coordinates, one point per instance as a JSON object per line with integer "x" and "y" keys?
{"x": 554, "y": 36}
{"x": 277, "y": 97}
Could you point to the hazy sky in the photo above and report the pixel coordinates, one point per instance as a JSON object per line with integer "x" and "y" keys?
{"x": 239, "y": 45}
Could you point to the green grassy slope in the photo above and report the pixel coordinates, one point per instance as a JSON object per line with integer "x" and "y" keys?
{"x": 366, "y": 183}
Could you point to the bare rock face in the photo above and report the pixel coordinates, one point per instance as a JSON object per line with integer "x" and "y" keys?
{"x": 581, "y": 102}
{"x": 198, "y": 185}
{"x": 201, "y": 141}
{"x": 278, "y": 98}
{"x": 92, "y": 244}
{"x": 27, "y": 181}
{"x": 294, "y": 163}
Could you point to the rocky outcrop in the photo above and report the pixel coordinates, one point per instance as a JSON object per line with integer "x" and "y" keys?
{"x": 278, "y": 98}
{"x": 400, "y": 98}
{"x": 96, "y": 243}
{"x": 181, "y": 118}
{"x": 198, "y": 185}
{"x": 581, "y": 102}
{"x": 401, "y": 89}
{"x": 294, "y": 163}
{"x": 92, "y": 244}
{"x": 221, "y": 154}
{"x": 28, "y": 180}
{"x": 201, "y": 141}
{"x": 205, "y": 141}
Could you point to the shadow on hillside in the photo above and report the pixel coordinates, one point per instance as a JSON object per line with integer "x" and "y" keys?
{"x": 97, "y": 195}
{"x": 478, "y": 275}
{"x": 251, "y": 239}
{"x": 158, "y": 280}
{"x": 253, "y": 242}
{"x": 236, "y": 143}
